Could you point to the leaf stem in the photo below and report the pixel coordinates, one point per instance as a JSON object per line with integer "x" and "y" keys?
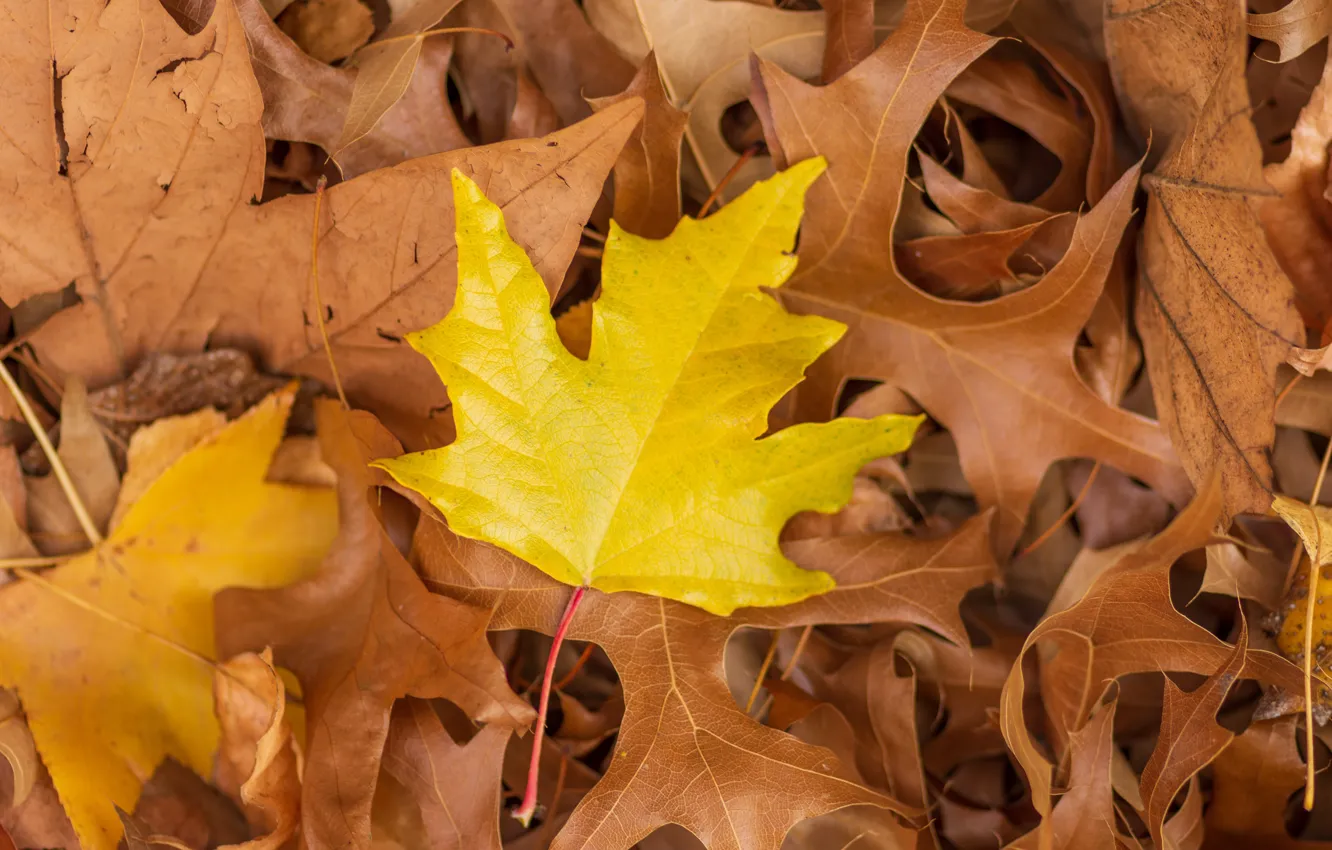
{"x": 319, "y": 299}
{"x": 527, "y": 809}
{"x": 57, "y": 465}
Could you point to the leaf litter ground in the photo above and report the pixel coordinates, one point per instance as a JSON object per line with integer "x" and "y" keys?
{"x": 1049, "y": 354}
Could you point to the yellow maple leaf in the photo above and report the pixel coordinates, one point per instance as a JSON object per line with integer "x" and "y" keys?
{"x": 641, "y": 468}
{"x": 110, "y": 652}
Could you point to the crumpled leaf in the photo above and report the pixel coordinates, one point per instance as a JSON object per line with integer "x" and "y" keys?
{"x": 647, "y": 174}
{"x": 1190, "y": 736}
{"x": 735, "y": 784}
{"x": 456, "y": 785}
{"x": 359, "y": 634}
{"x": 109, "y": 651}
{"x": 703, "y": 49}
{"x": 666, "y": 490}
{"x": 958, "y": 360}
{"x": 260, "y": 762}
{"x": 1215, "y": 310}
{"x": 169, "y": 385}
{"x": 200, "y": 264}
{"x": 1124, "y": 623}
{"x": 1295, "y": 27}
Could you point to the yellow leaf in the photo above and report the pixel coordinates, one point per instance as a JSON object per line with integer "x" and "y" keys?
{"x": 110, "y": 652}
{"x": 640, "y": 468}
{"x": 1313, "y": 524}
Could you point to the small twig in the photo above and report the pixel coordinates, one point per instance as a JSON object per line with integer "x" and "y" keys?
{"x": 762, "y": 672}
{"x": 1066, "y": 515}
{"x": 1285, "y": 391}
{"x": 527, "y": 808}
{"x": 57, "y": 465}
{"x": 588, "y": 251}
{"x": 577, "y": 667}
{"x": 319, "y": 299}
{"x": 795, "y": 655}
{"x": 508, "y": 42}
{"x": 41, "y": 561}
{"x": 593, "y": 235}
{"x": 750, "y": 152}
{"x": 788, "y": 669}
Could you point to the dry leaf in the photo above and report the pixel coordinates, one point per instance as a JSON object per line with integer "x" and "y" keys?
{"x": 258, "y": 757}
{"x": 974, "y": 209}
{"x": 459, "y": 801}
{"x": 568, "y": 59}
{"x": 703, "y": 49}
{"x": 1190, "y": 736}
{"x": 669, "y": 656}
{"x": 166, "y": 385}
{"x": 1011, "y": 90}
{"x": 958, "y": 361}
{"x": 647, "y": 174}
{"x": 533, "y": 114}
{"x": 1124, "y": 623}
{"x": 198, "y": 263}
{"x": 306, "y": 100}
{"x": 385, "y": 69}
{"x": 83, "y": 449}
{"x": 1295, "y": 27}
{"x": 109, "y": 650}
{"x": 1215, "y": 310}
{"x": 1084, "y": 817}
{"x": 1251, "y": 781}
{"x": 359, "y": 634}
{"x": 328, "y": 30}
{"x": 1298, "y": 223}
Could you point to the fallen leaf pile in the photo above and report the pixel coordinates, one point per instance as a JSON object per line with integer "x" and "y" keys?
{"x": 664, "y": 424}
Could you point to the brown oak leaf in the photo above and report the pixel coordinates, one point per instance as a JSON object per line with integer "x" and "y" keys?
{"x": 156, "y": 225}
{"x": 1215, "y": 311}
{"x": 686, "y": 753}
{"x": 1190, "y": 736}
{"x": 456, "y": 785}
{"x": 360, "y": 634}
{"x": 1013, "y": 408}
{"x": 1084, "y": 817}
{"x": 1125, "y": 622}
